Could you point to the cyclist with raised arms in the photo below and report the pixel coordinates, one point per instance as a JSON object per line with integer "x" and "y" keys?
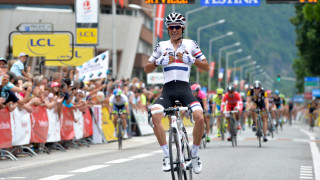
{"x": 202, "y": 98}
{"x": 232, "y": 101}
{"x": 257, "y": 98}
{"x": 119, "y": 103}
{"x": 176, "y": 57}
{"x": 216, "y": 107}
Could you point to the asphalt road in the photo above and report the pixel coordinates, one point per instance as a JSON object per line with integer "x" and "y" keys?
{"x": 292, "y": 154}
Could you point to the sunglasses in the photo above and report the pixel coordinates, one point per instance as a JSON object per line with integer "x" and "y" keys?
{"x": 175, "y": 27}
{"x": 256, "y": 88}
{"x": 230, "y": 92}
{"x": 118, "y": 96}
{"x": 194, "y": 91}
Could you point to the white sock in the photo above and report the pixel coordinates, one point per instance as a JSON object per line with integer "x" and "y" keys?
{"x": 195, "y": 151}
{"x": 125, "y": 131}
{"x": 165, "y": 150}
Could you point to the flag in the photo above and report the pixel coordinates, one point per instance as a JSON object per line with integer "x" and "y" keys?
{"x": 121, "y": 2}
{"x": 241, "y": 84}
{"x": 159, "y": 20}
{"x": 236, "y": 81}
{"x": 229, "y": 75}
{"x": 212, "y": 66}
{"x": 220, "y": 76}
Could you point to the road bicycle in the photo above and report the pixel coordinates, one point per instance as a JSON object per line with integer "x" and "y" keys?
{"x": 222, "y": 127}
{"x": 259, "y": 125}
{"x": 270, "y": 124}
{"x": 233, "y": 127}
{"x": 119, "y": 129}
{"x": 179, "y": 149}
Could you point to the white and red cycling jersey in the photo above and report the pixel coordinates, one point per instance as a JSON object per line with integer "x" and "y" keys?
{"x": 231, "y": 103}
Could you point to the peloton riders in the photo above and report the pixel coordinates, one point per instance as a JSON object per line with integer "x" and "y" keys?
{"x": 216, "y": 107}
{"x": 257, "y": 99}
{"x": 176, "y": 57}
{"x": 232, "y": 100}
{"x": 202, "y": 98}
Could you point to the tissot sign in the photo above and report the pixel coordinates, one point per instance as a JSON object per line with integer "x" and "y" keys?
{"x": 230, "y": 2}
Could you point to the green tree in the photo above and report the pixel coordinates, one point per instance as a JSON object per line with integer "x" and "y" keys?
{"x": 307, "y": 23}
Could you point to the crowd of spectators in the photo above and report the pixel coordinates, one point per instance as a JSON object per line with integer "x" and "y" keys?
{"x": 20, "y": 88}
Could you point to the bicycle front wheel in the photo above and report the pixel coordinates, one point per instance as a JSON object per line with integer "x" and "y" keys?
{"x": 259, "y": 130}
{"x": 174, "y": 152}
{"x": 119, "y": 136}
{"x": 187, "y": 156}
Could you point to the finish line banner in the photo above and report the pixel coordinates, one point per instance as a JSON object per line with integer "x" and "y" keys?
{"x": 230, "y": 2}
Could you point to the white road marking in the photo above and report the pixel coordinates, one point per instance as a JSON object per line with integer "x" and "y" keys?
{"x": 16, "y": 177}
{"x": 306, "y": 177}
{"x": 89, "y": 168}
{"x": 155, "y": 152}
{"x": 315, "y": 155}
{"x": 57, "y": 177}
{"x": 140, "y": 156}
{"x": 118, "y": 161}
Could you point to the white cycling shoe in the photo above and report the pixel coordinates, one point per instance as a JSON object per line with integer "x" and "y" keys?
{"x": 166, "y": 164}
{"x": 125, "y": 136}
{"x": 115, "y": 134}
{"x": 196, "y": 165}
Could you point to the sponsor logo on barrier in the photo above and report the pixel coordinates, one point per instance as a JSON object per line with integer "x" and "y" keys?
{"x": 81, "y": 55}
{"x": 68, "y": 123}
{"x": 43, "y": 123}
{"x": 5, "y": 125}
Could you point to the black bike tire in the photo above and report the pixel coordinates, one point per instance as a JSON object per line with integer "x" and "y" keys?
{"x": 259, "y": 130}
{"x": 119, "y": 136}
{"x": 174, "y": 166}
{"x": 221, "y": 128}
{"x": 188, "y": 158}
{"x": 205, "y": 141}
{"x": 232, "y": 131}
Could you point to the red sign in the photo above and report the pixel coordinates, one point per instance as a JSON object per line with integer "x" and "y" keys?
{"x": 66, "y": 128}
{"x": 39, "y": 124}
{"x": 87, "y": 121}
{"x": 5, "y": 129}
{"x": 308, "y": 95}
{"x": 212, "y": 66}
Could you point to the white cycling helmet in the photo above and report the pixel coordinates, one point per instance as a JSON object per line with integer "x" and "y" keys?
{"x": 175, "y": 18}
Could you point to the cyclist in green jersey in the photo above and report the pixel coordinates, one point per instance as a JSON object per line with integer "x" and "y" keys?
{"x": 216, "y": 105}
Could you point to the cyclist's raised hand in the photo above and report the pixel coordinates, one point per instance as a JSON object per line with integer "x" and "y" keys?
{"x": 188, "y": 58}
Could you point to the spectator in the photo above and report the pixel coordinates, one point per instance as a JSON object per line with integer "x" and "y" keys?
{"x": 3, "y": 63}
{"x": 18, "y": 67}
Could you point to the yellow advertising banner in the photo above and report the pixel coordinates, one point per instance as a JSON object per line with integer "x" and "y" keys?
{"x": 80, "y": 56}
{"x": 41, "y": 45}
{"x": 87, "y": 36}
{"x": 107, "y": 125}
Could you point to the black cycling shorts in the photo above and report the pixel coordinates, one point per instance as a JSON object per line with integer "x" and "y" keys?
{"x": 176, "y": 90}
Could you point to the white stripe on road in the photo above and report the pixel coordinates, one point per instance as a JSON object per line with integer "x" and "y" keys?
{"x": 16, "y": 177}
{"x": 57, "y": 177}
{"x": 119, "y": 161}
{"x": 140, "y": 156}
{"x": 315, "y": 155}
{"x": 89, "y": 168}
{"x": 306, "y": 177}
{"x": 155, "y": 152}
{"x": 306, "y": 171}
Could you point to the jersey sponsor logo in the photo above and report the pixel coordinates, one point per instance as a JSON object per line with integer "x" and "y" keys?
{"x": 197, "y": 46}
{"x": 156, "y": 48}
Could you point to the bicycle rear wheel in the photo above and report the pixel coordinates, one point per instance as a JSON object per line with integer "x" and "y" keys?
{"x": 187, "y": 156}
{"x": 174, "y": 152}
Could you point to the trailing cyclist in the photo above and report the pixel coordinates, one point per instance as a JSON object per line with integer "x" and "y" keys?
{"x": 278, "y": 105}
{"x": 272, "y": 107}
{"x": 176, "y": 56}
{"x": 313, "y": 107}
{"x": 244, "y": 113}
{"x": 256, "y": 99}
{"x": 119, "y": 103}
{"x": 202, "y": 98}
{"x": 232, "y": 100}
{"x": 216, "y": 107}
